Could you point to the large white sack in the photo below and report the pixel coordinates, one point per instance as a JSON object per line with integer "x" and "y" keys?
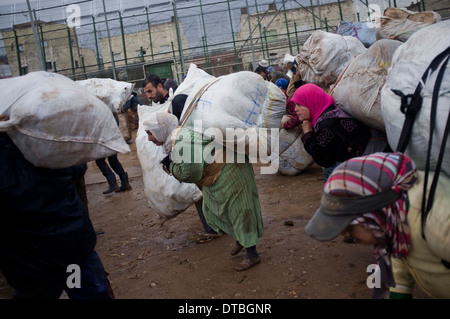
{"x": 362, "y": 30}
{"x": 56, "y": 123}
{"x": 294, "y": 159}
{"x": 324, "y": 56}
{"x": 114, "y": 93}
{"x": 165, "y": 194}
{"x": 237, "y": 109}
{"x": 409, "y": 63}
{"x": 437, "y": 227}
{"x": 357, "y": 90}
{"x": 401, "y": 24}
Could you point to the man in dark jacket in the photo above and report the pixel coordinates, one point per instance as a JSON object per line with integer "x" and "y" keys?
{"x": 46, "y": 236}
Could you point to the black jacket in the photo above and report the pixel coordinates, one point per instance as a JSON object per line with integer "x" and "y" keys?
{"x": 44, "y": 224}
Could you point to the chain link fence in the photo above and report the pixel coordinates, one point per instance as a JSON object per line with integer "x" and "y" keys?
{"x": 125, "y": 40}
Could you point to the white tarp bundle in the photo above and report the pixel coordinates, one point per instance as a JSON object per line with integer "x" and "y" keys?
{"x": 324, "y": 56}
{"x": 55, "y": 122}
{"x": 114, "y": 93}
{"x": 294, "y": 159}
{"x": 409, "y": 63}
{"x": 165, "y": 194}
{"x": 237, "y": 109}
{"x": 362, "y": 30}
{"x": 357, "y": 90}
{"x": 400, "y": 24}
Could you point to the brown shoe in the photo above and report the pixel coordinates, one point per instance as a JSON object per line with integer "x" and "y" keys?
{"x": 206, "y": 237}
{"x": 248, "y": 263}
{"x": 236, "y": 249}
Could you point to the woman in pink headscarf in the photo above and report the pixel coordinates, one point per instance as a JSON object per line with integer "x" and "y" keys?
{"x": 330, "y": 135}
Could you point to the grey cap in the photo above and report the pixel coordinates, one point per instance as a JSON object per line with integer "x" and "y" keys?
{"x": 336, "y": 213}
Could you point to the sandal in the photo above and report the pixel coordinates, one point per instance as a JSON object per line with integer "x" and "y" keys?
{"x": 205, "y": 237}
{"x": 236, "y": 249}
{"x": 248, "y": 263}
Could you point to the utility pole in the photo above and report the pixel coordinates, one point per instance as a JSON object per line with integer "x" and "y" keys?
{"x": 109, "y": 41}
{"x": 36, "y": 40}
{"x": 251, "y": 37}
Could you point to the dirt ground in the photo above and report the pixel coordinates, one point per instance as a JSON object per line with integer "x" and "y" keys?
{"x": 150, "y": 260}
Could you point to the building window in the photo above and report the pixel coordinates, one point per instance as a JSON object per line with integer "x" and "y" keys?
{"x": 76, "y": 64}
{"x": 48, "y": 65}
{"x": 164, "y": 49}
{"x": 20, "y": 47}
{"x": 271, "y": 35}
{"x": 24, "y": 70}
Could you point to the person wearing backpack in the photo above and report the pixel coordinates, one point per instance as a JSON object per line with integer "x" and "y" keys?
{"x": 377, "y": 200}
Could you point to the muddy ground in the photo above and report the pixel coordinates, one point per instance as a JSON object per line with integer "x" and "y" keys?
{"x": 150, "y": 260}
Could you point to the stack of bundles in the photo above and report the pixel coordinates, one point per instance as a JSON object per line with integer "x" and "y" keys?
{"x": 364, "y": 31}
{"x": 400, "y": 24}
{"x": 56, "y": 123}
{"x": 114, "y": 94}
{"x": 357, "y": 91}
{"x": 409, "y": 64}
{"x": 237, "y": 110}
{"x": 165, "y": 194}
{"x": 293, "y": 157}
{"x": 324, "y": 56}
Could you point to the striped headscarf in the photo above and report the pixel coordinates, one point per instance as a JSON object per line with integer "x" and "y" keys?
{"x": 366, "y": 175}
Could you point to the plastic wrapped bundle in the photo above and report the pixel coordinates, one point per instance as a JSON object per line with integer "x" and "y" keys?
{"x": 56, "y": 123}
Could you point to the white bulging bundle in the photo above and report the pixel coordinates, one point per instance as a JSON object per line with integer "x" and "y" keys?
{"x": 409, "y": 63}
{"x": 357, "y": 90}
{"x": 294, "y": 159}
{"x": 238, "y": 109}
{"x": 56, "y": 123}
{"x": 114, "y": 93}
{"x": 324, "y": 56}
{"x": 165, "y": 194}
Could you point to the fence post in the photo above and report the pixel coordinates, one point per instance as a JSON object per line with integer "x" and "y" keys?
{"x": 287, "y": 25}
{"x": 97, "y": 53}
{"x": 149, "y": 34}
{"x": 313, "y": 15}
{"x": 340, "y": 10}
{"x": 19, "y": 63}
{"x": 71, "y": 53}
{"x": 236, "y": 59}
{"x": 204, "y": 39}
{"x": 180, "y": 44}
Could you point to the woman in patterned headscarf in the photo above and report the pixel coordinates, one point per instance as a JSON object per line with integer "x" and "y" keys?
{"x": 330, "y": 135}
{"x": 377, "y": 200}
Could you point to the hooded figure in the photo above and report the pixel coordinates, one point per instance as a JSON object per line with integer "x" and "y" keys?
{"x": 375, "y": 199}
{"x": 161, "y": 125}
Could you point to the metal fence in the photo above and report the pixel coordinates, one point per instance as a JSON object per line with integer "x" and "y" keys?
{"x": 128, "y": 39}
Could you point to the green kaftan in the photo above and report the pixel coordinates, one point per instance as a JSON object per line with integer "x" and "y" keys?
{"x": 230, "y": 205}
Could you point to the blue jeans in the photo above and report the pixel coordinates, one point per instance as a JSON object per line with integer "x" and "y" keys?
{"x": 94, "y": 283}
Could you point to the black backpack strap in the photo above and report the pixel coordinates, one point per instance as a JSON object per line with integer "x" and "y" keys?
{"x": 411, "y": 103}
{"x": 427, "y": 205}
